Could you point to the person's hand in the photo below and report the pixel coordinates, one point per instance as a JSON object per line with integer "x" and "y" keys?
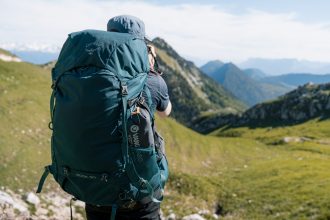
{"x": 151, "y": 56}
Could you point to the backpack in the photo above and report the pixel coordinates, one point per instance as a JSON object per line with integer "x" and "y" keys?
{"x": 96, "y": 107}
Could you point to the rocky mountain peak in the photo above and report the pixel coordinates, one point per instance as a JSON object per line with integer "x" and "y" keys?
{"x": 211, "y": 66}
{"x": 230, "y": 66}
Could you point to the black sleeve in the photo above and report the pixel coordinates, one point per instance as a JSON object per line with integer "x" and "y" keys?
{"x": 159, "y": 92}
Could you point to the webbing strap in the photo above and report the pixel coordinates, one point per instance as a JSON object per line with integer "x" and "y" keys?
{"x": 42, "y": 179}
{"x": 72, "y": 199}
{"x": 52, "y": 104}
{"x": 124, "y": 124}
{"x": 113, "y": 211}
{"x": 52, "y": 109}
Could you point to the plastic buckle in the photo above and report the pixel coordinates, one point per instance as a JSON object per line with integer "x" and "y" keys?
{"x": 141, "y": 100}
{"x": 124, "y": 90}
{"x": 142, "y": 182}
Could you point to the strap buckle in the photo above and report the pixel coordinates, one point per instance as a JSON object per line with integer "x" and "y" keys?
{"x": 124, "y": 90}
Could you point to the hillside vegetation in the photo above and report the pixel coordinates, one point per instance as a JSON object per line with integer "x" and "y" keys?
{"x": 243, "y": 174}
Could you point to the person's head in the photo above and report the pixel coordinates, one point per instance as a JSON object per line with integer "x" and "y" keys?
{"x": 127, "y": 24}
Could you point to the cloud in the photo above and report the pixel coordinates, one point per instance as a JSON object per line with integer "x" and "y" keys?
{"x": 195, "y": 30}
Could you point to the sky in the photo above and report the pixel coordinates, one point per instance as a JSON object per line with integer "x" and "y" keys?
{"x": 198, "y": 30}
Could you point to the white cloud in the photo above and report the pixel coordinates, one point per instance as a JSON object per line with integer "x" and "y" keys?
{"x": 201, "y": 31}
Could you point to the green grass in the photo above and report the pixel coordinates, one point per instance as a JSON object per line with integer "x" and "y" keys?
{"x": 248, "y": 173}
{"x": 24, "y": 137}
{"x": 292, "y": 181}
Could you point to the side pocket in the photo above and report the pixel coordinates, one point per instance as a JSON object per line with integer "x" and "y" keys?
{"x": 163, "y": 167}
{"x": 161, "y": 158}
{"x": 145, "y": 161}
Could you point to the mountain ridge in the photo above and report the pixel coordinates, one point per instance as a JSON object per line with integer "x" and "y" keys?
{"x": 243, "y": 86}
{"x": 192, "y": 92}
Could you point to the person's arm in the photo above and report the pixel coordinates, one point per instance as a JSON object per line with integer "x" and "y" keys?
{"x": 167, "y": 111}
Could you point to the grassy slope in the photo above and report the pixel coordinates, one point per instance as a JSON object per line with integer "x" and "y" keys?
{"x": 24, "y": 137}
{"x": 293, "y": 181}
{"x": 249, "y": 177}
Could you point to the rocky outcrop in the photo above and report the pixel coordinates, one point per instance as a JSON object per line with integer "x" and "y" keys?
{"x": 55, "y": 205}
{"x": 51, "y": 205}
{"x": 302, "y": 104}
{"x": 306, "y": 102}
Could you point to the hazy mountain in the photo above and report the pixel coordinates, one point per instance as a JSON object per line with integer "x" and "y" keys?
{"x": 255, "y": 73}
{"x": 36, "y": 57}
{"x": 211, "y": 66}
{"x": 244, "y": 87}
{"x": 297, "y": 79}
{"x": 192, "y": 92}
{"x": 283, "y": 66}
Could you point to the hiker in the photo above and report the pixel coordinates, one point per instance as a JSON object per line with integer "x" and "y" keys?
{"x": 105, "y": 150}
{"x": 161, "y": 103}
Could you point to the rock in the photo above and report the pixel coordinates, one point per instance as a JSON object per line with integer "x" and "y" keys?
{"x": 215, "y": 216}
{"x": 204, "y": 212}
{"x": 161, "y": 214}
{"x": 7, "y": 200}
{"x": 193, "y": 217}
{"x": 294, "y": 139}
{"x": 171, "y": 217}
{"x": 32, "y": 198}
{"x": 41, "y": 212}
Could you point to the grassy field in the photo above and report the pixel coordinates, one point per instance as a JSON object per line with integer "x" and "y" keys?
{"x": 244, "y": 173}
{"x": 291, "y": 180}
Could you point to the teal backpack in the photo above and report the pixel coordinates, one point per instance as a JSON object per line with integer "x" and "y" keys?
{"x": 95, "y": 105}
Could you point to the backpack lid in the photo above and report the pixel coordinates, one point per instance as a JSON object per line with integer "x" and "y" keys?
{"x": 120, "y": 53}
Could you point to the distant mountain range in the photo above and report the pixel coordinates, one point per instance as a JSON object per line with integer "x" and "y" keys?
{"x": 297, "y": 79}
{"x": 36, "y": 53}
{"x": 284, "y": 66}
{"x": 254, "y": 73}
{"x": 243, "y": 84}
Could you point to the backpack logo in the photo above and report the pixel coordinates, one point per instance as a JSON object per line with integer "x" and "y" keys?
{"x": 134, "y": 128}
{"x": 135, "y": 135}
{"x": 92, "y": 47}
